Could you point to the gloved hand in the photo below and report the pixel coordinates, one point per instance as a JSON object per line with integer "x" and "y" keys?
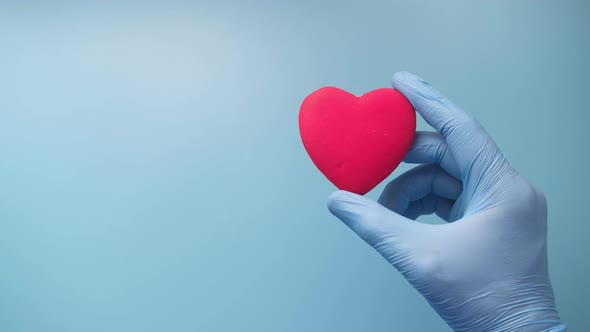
{"x": 484, "y": 270}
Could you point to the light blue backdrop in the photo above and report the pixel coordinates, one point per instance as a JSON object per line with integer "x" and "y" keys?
{"x": 152, "y": 177}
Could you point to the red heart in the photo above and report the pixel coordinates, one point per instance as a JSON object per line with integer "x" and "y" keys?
{"x": 356, "y": 142}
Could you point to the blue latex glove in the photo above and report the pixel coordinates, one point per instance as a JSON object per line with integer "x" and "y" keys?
{"x": 485, "y": 270}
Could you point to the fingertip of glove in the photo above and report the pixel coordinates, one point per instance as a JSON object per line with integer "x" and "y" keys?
{"x": 405, "y": 78}
{"x": 398, "y": 78}
{"x": 339, "y": 199}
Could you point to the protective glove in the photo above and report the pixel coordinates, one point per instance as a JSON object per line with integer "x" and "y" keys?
{"x": 484, "y": 270}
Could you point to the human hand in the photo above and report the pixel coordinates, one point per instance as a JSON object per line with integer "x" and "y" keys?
{"x": 484, "y": 270}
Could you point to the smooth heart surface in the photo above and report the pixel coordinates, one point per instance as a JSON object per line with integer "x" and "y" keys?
{"x": 356, "y": 142}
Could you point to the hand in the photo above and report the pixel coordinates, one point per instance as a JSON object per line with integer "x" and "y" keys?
{"x": 484, "y": 270}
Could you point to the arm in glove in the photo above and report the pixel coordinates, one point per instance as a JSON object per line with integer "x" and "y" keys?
{"x": 484, "y": 270}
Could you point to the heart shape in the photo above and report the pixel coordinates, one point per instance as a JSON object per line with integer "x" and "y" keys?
{"x": 356, "y": 142}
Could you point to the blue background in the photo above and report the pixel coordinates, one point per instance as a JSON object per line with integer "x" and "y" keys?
{"x": 152, "y": 177}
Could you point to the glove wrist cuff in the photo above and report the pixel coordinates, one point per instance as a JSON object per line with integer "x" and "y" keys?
{"x": 524, "y": 305}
